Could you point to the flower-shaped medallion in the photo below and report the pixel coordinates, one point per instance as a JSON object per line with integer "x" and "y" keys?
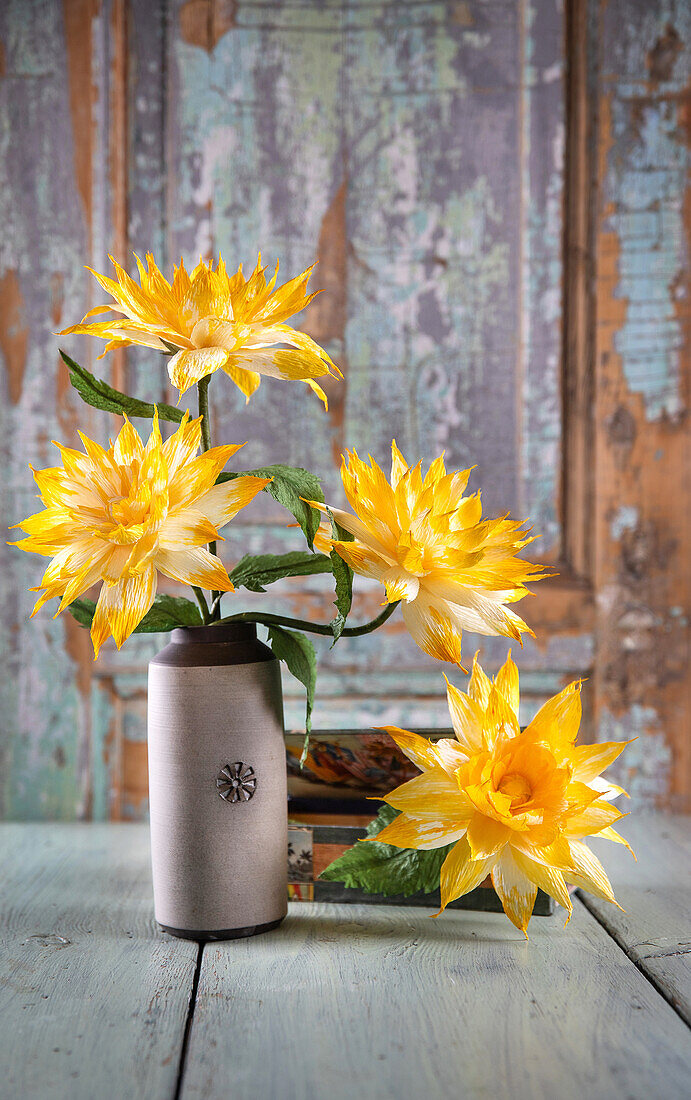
{"x": 236, "y": 782}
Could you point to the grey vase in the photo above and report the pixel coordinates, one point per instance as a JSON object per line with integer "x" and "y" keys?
{"x": 217, "y": 784}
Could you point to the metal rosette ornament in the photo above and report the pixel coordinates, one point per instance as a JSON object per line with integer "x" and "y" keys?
{"x": 236, "y": 782}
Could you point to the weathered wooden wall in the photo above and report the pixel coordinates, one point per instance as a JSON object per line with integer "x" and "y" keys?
{"x": 426, "y": 153}
{"x": 642, "y": 500}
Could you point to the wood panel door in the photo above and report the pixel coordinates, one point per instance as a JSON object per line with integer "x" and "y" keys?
{"x": 439, "y": 159}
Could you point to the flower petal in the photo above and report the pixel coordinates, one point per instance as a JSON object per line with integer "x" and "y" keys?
{"x": 507, "y": 683}
{"x": 361, "y": 559}
{"x": 316, "y": 388}
{"x": 557, "y": 721}
{"x": 198, "y": 476}
{"x": 128, "y": 446}
{"x": 434, "y": 791}
{"x": 479, "y": 685}
{"x": 121, "y": 607}
{"x": 549, "y": 879}
{"x": 223, "y": 502}
{"x": 612, "y": 834}
{"x": 483, "y": 613}
{"x": 597, "y": 816}
{"x": 399, "y": 466}
{"x": 188, "y": 527}
{"x": 460, "y": 873}
{"x": 183, "y": 445}
{"x": 247, "y": 381}
{"x": 515, "y": 889}
{"x": 358, "y": 529}
{"x": 607, "y": 790}
{"x": 280, "y": 363}
{"x": 188, "y": 367}
{"x": 589, "y": 760}
{"x": 451, "y": 755}
{"x": 500, "y": 722}
{"x": 432, "y": 630}
{"x": 420, "y": 833}
{"x": 400, "y": 585}
{"x": 486, "y": 836}
{"x": 467, "y": 718}
{"x": 420, "y": 750}
{"x": 587, "y": 871}
{"x": 194, "y": 565}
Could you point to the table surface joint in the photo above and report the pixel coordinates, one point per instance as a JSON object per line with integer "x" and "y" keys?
{"x": 658, "y": 986}
{"x": 184, "y": 1046}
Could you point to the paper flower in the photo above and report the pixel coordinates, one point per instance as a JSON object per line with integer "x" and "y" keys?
{"x": 123, "y": 515}
{"x": 426, "y": 542}
{"x": 514, "y": 804}
{"x": 217, "y": 320}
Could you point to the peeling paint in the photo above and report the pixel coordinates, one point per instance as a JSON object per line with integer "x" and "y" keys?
{"x": 644, "y": 769}
{"x": 643, "y": 646}
{"x": 78, "y": 17}
{"x": 326, "y": 316}
{"x": 45, "y": 243}
{"x": 14, "y": 333}
{"x": 648, "y": 160}
{"x": 462, "y": 14}
{"x": 662, "y": 57}
{"x": 624, "y": 519}
{"x": 204, "y": 22}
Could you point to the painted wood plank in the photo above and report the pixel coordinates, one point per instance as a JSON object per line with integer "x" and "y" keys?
{"x": 642, "y": 492}
{"x": 358, "y": 1001}
{"x": 655, "y": 929}
{"x": 94, "y": 997}
{"x": 53, "y": 204}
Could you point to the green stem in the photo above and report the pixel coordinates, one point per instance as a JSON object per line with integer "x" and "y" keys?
{"x": 203, "y": 605}
{"x": 312, "y": 628}
{"x": 203, "y": 398}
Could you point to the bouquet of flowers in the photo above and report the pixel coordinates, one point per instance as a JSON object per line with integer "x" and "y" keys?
{"x": 496, "y": 800}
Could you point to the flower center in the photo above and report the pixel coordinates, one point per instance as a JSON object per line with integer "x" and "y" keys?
{"x": 127, "y": 512}
{"x": 411, "y": 555}
{"x": 517, "y": 788}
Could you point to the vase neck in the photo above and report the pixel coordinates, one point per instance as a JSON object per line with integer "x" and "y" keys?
{"x": 224, "y": 634}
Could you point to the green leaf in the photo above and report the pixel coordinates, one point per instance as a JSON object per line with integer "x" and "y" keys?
{"x": 94, "y": 391}
{"x": 256, "y": 571}
{"x": 166, "y": 613}
{"x": 382, "y": 869}
{"x": 298, "y": 653}
{"x": 290, "y": 484}
{"x": 343, "y": 576}
{"x": 83, "y": 611}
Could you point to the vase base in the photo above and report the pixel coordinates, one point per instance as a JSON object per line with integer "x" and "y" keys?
{"x": 222, "y": 933}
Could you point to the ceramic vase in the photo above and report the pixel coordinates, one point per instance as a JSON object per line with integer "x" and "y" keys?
{"x": 217, "y": 784}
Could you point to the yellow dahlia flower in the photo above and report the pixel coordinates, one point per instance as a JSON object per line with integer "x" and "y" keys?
{"x": 514, "y": 804}
{"x": 427, "y": 544}
{"x": 123, "y": 515}
{"x": 216, "y": 319}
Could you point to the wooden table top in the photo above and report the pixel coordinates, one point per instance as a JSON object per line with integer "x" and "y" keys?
{"x": 341, "y": 1001}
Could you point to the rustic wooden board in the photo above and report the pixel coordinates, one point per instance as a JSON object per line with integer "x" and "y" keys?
{"x": 53, "y": 199}
{"x": 642, "y": 446}
{"x": 94, "y": 998}
{"x": 386, "y": 1002}
{"x": 655, "y": 930}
